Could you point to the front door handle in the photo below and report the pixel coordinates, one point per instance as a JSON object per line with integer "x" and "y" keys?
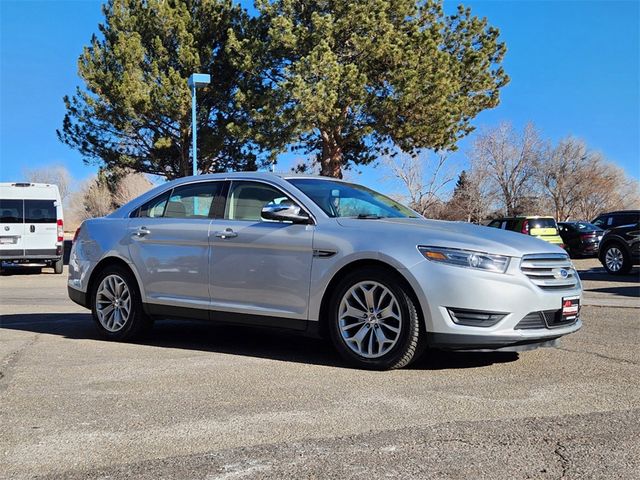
{"x": 142, "y": 231}
{"x": 227, "y": 233}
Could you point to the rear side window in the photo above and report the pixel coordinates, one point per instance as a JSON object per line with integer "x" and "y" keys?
{"x": 40, "y": 211}
{"x": 192, "y": 201}
{"x": 153, "y": 208}
{"x": 11, "y": 211}
{"x": 625, "y": 219}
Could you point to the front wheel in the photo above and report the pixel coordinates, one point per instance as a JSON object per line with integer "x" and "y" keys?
{"x": 374, "y": 322}
{"x": 116, "y": 305}
{"x": 616, "y": 260}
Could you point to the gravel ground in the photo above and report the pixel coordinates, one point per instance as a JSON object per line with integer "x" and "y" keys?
{"x": 200, "y": 401}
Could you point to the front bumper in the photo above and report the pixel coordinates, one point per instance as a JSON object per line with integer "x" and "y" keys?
{"x": 443, "y": 287}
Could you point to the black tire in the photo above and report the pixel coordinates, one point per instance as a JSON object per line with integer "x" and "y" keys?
{"x": 609, "y": 249}
{"x": 58, "y": 266}
{"x": 137, "y": 323}
{"x": 411, "y": 337}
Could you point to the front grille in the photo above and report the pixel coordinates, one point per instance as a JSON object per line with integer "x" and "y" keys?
{"x": 544, "y": 319}
{"x": 552, "y": 271}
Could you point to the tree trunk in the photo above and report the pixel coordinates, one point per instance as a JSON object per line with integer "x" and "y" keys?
{"x": 331, "y": 156}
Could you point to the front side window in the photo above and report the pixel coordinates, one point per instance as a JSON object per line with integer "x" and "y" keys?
{"x": 11, "y": 211}
{"x": 246, "y": 200}
{"x": 341, "y": 199}
{"x": 40, "y": 211}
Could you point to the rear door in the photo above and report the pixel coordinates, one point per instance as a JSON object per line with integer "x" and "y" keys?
{"x": 169, "y": 245}
{"x": 40, "y": 228}
{"x": 11, "y": 228}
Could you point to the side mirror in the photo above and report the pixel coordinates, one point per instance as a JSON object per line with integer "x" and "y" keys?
{"x": 284, "y": 212}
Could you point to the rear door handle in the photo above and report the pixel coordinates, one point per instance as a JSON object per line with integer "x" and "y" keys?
{"x": 227, "y": 233}
{"x": 142, "y": 231}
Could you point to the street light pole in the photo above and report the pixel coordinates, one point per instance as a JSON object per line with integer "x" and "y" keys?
{"x": 196, "y": 80}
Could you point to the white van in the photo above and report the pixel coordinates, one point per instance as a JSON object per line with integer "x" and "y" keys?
{"x": 31, "y": 224}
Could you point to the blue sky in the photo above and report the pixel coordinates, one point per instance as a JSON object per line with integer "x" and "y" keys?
{"x": 574, "y": 69}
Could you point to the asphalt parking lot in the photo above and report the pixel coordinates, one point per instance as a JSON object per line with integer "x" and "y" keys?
{"x": 198, "y": 401}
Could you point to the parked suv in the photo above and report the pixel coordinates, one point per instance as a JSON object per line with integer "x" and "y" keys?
{"x": 544, "y": 228}
{"x": 31, "y": 224}
{"x": 616, "y": 219}
{"x": 620, "y": 249}
{"x": 323, "y": 256}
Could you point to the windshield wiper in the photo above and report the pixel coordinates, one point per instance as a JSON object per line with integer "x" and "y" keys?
{"x": 367, "y": 216}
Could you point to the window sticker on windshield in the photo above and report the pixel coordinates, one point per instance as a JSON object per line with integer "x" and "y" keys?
{"x": 609, "y": 220}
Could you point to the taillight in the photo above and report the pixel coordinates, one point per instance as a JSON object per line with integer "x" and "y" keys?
{"x": 586, "y": 236}
{"x": 75, "y": 235}
{"x": 60, "y": 230}
{"x": 525, "y": 227}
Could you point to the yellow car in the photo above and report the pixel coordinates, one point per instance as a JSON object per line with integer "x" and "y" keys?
{"x": 544, "y": 228}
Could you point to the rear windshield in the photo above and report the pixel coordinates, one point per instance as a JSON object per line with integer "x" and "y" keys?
{"x": 542, "y": 223}
{"x": 10, "y": 211}
{"x": 40, "y": 211}
{"x": 586, "y": 226}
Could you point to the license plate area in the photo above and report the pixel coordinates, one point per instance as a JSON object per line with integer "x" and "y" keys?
{"x": 8, "y": 240}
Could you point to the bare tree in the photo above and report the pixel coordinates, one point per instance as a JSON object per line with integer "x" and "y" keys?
{"x": 604, "y": 187}
{"x": 423, "y": 179}
{"x": 563, "y": 173}
{"x": 130, "y": 186}
{"x": 53, "y": 174}
{"x": 508, "y": 159}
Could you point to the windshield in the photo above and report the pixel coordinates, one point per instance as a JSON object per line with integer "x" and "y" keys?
{"x": 340, "y": 199}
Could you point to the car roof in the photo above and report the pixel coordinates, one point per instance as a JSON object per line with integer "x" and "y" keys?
{"x": 616, "y": 212}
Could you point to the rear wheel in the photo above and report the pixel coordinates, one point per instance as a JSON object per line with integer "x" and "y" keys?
{"x": 616, "y": 260}
{"x": 58, "y": 266}
{"x": 374, "y": 322}
{"x": 116, "y": 305}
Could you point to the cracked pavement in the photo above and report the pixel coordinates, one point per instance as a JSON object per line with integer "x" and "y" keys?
{"x": 196, "y": 401}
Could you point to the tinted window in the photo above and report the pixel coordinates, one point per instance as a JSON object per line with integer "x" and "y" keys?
{"x": 153, "y": 208}
{"x": 10, "y": 211}
{"x": 192, "y": 201}
{"x": 246, "y": 200}
{"x": 625, "y": 219}
{"x": 40, "y": 211}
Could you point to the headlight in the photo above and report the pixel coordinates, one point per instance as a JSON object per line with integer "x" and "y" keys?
{"x": 466, "y": 258}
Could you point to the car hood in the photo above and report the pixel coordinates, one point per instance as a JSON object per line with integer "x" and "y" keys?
{"x": 462, "y": 235}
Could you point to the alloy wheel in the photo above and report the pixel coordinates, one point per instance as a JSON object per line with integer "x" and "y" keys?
{"x": 369, "y": 319}
{"x": 614, "y": 259}
{"x": 113, "y": 303}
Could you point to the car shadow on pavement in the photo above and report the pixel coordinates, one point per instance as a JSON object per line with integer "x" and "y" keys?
{"x": 236, "y": 340}
{"x": 601, "y": 275}
{"x": 633, "y": 291}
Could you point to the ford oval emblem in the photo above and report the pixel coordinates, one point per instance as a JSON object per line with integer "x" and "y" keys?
{"x": 564, "y": 273}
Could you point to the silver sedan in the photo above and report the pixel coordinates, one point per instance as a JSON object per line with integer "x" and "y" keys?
{"x": 321, "y": 256}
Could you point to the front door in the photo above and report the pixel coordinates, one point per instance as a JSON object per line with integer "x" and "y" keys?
{"x": 259, "y": 267}
{"x": 169, "y": 244}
